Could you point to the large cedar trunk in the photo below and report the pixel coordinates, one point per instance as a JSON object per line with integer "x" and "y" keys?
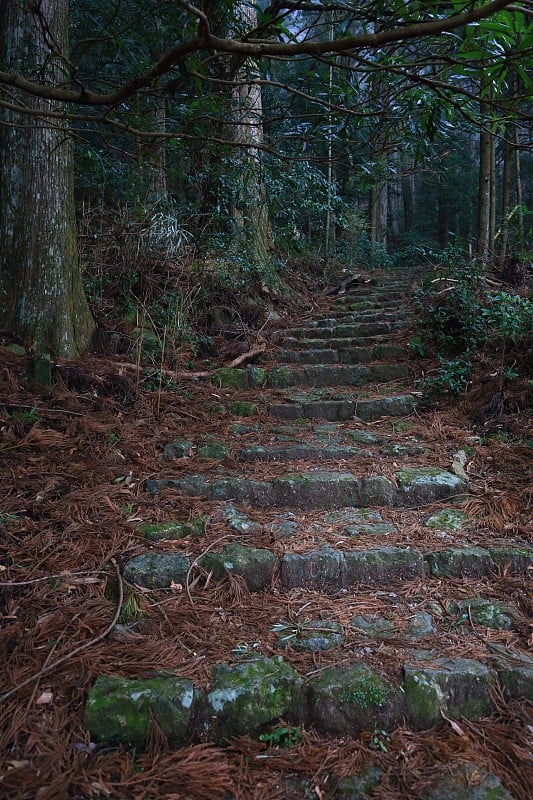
{"x": 41, "y": 293}
{"x": 485, "y": 188}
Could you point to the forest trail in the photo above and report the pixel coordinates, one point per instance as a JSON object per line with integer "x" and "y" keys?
{"x": 397, "y": 618}
{"x": 313, "y": 573}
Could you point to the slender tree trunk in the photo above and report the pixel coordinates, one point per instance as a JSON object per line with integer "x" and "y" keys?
{"x": 506, "y": 197}
{"x": 251, "y": 207}
{"x": 408, "y": 195}
{"x": 41, "y": 293}
{"x": 518, "y": 189}
{"x": 443, "y": 214}
{"x": 483, "y": 242}
{"x": 379, "y": 201}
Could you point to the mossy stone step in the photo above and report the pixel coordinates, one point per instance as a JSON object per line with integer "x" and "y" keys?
{"x": 341, "y": 410}
{"x": 329, "y": 569}
{"x": 299, "y": 451}
{"x": 344, "y": 355}
{"x": 335, "y": 344}
{"x": 320, "y": 489}
{"x": 253, "y": 692}
{"x": 355, "y": 317}
{"x": 339, "y": 331}
{"x": 312, "y": 375}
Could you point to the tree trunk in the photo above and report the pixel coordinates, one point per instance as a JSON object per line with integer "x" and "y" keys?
{"x": 506, "y": 196}
{"x": 483, "y": 242}
{"x": 250, "y": 211}
{"x": 408, "y": 195}
{"x": 41, "y": 293}
{"x": 443, "y": 213}
{"x": 378, "y": 212}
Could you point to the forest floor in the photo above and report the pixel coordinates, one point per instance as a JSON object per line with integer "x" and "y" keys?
{"x": 73, "y": 461}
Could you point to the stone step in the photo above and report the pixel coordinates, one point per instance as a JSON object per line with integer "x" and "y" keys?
{"x": 313, "y": 375}
{"x": 353, "y": 330}
{"x": 351, "y": 317}
{"x": 344, "y": 343}
{"x": 329, "y": 570}
{"x": 320, "y": 489}
{"x": 369, "y": 409}
{"x": 343, "y": 355}
{"x": 250, "y": 695}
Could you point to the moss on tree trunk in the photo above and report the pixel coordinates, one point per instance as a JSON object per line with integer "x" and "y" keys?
{"x": 41, "y": 292}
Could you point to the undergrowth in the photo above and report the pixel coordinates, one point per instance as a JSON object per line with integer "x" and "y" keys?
{"x": 460, "y": 320}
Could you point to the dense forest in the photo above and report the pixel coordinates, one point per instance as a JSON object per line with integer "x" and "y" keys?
{"x": 240, "y": 140}
{"x": 265, "y": 399}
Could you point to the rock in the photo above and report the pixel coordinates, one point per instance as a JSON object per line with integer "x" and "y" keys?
{"x": 461, "y": 688}
{"x": 513, "y": 559}
{"x": 351, "y": 698}
{"x": 447, "y": 519}
{"x": 253, "y": 564}
{"x": 396, "y": 406}
{"x": 359, "y": 787}
{"x": 474, "y": 562}
{"x": 423, "y": 485}
{"x": 173, "y": 530}
{"x": 364, "y": 437}
{"x": 178, "y": 448}
{"x": 515, "y": 672}
{"x": 118, "y": 710}
{"x": 467, "y": 782}
{"x": 215, "y": 450}
{"x": 246, "y": 697}
{"x": 420, "y": 625}
{"x": 374, "y": 625}
{"x": 231, "y": 378}
{"x": 311, "y": 636}
{"x": 243, "y": 409}
{"x": 237, "y": 521}
{"x": 489, "y": 613}
{"x": 157, "y": 570}
{"x": 316, "y": 490}
{"x": 323, "y": 570}
{"x": 384, "y": 565}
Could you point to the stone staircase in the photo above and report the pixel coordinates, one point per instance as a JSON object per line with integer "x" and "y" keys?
{"x": 329, "y": 488}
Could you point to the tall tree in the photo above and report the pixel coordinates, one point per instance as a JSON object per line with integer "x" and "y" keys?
{"x": 41, "y": 292}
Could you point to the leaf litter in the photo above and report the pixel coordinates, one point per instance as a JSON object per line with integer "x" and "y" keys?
{"x": 68, "y": 515}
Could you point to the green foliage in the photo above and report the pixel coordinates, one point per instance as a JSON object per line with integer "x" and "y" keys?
{"x": 283, "y": 736}
{"x": 453, "y": 376}
{"x": 370, "y": 691}
{"x": 456, "y": 316}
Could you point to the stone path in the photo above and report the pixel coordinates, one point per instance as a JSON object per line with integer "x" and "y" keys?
{"x": 327, "y": 485}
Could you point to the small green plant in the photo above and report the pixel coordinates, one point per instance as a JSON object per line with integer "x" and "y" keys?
{"x": 452, "y": 377}
{"x": 380, "y": 740}
{"x": 370, "y": 691}
{"x": 283, "y": 736}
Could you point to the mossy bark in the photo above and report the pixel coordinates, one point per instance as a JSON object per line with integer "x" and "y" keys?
{"x": 41, "y": 292}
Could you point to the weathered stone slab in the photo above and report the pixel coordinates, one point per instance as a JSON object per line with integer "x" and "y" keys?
{"x": 173, "y": 530}
{"x": 359, "y": 787}
{"x": 447, "y": 519}
{"x": 247, "y": 696}
{"x": 422, "y": 485}
{"x": 255, "y": 565}
{"x": 512, "y": 558}
{"x": 383, "y": 565}
{"x": 461, "y": 688}
{"x": 323, "y": 570}
{"x": 178, "y": 448}
{"x": 119, "y": 710}
{"x": 237, "y": 521}
{"x": 515, "y": 673}
{"x": 311, "y": 636}
{"x": 420, "y": 625}
{"x": 395, "y": 406}
{"x": 352, "y": 698}
{"x": 383, "y": 373}
{"x": 230, "y": 377}
{"x": 157, "y": 570}
{"x": 374, "y": 625}
{"x": 489, "y": 613}
{"x": 296, "y": 452}
{"x": 316, "y": 490}
{"x": 474, "y": 562}
{"x": 214, "y": 449}
{"x": 317, "y": 356}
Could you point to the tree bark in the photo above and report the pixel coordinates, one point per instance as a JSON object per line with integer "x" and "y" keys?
{"x": 483, "y": 243}
{"x": 41, "y": 292}
{"x": 250, "y": 211}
